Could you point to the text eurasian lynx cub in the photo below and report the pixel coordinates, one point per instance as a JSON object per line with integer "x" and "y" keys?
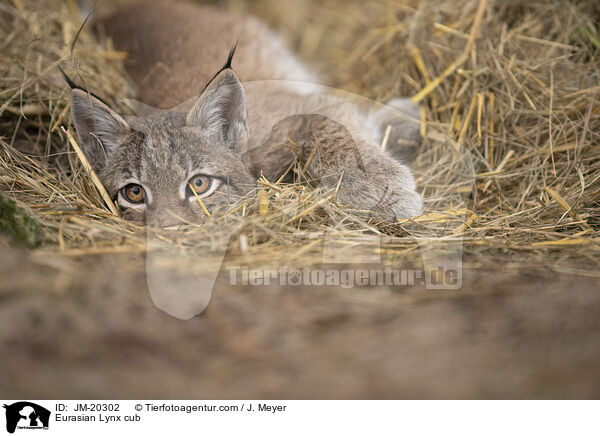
{"x": 220, "y": 142}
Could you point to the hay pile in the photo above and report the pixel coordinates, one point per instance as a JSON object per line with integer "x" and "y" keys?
{"x": 513, "y": 86}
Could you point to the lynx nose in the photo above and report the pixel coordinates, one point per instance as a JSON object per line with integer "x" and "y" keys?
{"x": 165, "y": 217}
{"x": 168, "y": 221}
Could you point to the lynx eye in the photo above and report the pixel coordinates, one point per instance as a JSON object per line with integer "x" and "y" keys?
{"x": 201, "y": 183}
{"x": 134, "y": 193}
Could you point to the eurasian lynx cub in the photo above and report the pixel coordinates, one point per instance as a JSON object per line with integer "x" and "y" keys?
{"x": 219, "y": 143}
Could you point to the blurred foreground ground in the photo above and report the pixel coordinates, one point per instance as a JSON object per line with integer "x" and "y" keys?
{"x": 88, "y": 329}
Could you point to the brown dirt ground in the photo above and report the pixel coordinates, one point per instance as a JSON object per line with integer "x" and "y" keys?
{"x": 86, "y": 328}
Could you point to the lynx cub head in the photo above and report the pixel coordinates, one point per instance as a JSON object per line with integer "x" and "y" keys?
{"x": 157, "y": 167}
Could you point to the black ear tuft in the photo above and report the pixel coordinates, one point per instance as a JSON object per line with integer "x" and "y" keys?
{"x": 67, "y": 79}
{"x": 230, "y": 57}
{"x": 74, "y": 86}
{"x": 227, "y": 65}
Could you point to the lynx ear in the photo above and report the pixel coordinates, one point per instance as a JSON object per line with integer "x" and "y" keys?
{"x": 100, "y": 129}
{"x": 222, "y": 106}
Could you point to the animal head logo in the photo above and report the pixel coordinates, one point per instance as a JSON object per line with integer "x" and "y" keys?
{"x": 26, "y": 415}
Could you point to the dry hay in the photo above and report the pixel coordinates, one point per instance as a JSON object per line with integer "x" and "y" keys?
{"x": 512, "y": 84}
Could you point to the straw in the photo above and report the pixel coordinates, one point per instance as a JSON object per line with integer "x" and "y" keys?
{"x": 513, "y": 84}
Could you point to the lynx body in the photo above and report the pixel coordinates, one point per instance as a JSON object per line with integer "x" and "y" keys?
{"x": 219, "y": 128}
